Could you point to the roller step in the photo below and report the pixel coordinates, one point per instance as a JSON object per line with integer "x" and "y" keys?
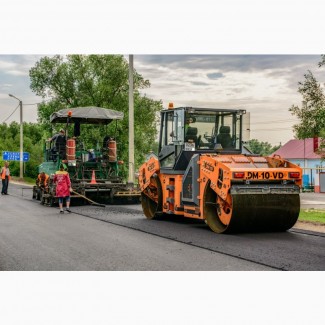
{"x": 170, "y": 200}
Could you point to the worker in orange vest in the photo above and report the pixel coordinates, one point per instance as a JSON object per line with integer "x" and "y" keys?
{"x": 5, "y": 176}
{"x": 42, "y": 181}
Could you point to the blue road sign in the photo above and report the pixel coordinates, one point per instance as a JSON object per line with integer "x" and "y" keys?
{"x": 14, "y": 156}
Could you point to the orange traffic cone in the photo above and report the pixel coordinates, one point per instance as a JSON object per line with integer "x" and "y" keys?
{"x": 93, "y": 178}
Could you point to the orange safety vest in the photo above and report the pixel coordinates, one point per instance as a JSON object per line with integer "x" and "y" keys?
{"x": 4, "y": 170}
{"x": 39, "y": 179}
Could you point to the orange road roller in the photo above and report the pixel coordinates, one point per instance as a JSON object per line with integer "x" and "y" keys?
{"x": 203, "y": 171}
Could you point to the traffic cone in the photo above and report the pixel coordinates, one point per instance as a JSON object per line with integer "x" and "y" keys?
{"x": 93, "y": 178}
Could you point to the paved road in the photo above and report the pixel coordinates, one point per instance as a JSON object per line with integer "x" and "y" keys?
{"x": 34, "y": 237}
{"x": 312, "y": 200}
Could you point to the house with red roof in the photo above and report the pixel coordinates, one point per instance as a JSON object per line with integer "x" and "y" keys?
{"x": 304, "y": 153}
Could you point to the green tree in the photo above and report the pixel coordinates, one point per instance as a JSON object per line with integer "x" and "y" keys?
{"x": 311, "y": 113}
{"x": 262, "y": 148}
{"x": 96, "y": 80}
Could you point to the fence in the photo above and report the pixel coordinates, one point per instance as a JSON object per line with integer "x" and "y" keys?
{"x": 313, "y": 179}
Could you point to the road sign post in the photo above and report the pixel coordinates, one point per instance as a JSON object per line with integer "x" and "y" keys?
{"x": 14, "y": 156}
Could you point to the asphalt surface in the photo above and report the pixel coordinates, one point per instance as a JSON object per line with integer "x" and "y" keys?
{"x": 34, "y": 237}
{"x": 292, "y": 250}
{"x": 312, "y": 200}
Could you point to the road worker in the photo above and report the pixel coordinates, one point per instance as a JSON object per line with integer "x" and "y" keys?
{"x": 63, "y": 187}
{"x": 5, "y": 176}
{"x": 42, "y": 181}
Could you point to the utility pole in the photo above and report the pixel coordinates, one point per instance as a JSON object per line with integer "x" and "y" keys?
{"x": 21, "y": 158}
{"x": 131, "y": 122}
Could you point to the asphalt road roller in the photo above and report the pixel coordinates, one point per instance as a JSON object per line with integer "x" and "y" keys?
{"x": 203, "y": 171}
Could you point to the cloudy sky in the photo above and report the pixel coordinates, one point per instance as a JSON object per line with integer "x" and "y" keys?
{"x": 264, "y": 85}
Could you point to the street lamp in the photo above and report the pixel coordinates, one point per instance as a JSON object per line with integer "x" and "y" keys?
{"x": 21, "y": 173}
{"x": 131, "y": 122}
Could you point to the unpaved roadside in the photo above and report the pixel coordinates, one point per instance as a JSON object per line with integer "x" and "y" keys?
{"x": 311, "y": 226}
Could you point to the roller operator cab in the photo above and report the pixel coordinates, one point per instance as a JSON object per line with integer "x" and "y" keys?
{"x": 202, "y": 172}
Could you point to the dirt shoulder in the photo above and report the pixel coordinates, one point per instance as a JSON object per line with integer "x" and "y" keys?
{"x": 311, "y": 226}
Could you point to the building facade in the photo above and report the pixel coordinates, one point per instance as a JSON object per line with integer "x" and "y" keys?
{"x": 305, "y": 154}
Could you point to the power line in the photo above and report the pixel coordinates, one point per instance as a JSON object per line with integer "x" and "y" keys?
{"x": 11, "y": 114}
{"x": 273, "y": 129}
{"x": 276, "y": 121}
{"x": 44, "y": 101}
{"x": 24, "y": 105}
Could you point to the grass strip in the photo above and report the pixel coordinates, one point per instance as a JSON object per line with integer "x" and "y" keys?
{"x": 312, "y": 215}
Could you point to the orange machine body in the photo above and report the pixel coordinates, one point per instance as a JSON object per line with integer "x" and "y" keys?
{"x": 71, "y": 149}
{"x": 250, "y": 169}
{"x": 203, "y": 172}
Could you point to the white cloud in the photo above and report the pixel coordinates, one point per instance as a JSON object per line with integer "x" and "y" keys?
{"x": 12, "y": 68}
{"x": 266, "y": 86}
{"x": 17, "y": 65}
{"x": 3, "y": 96}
